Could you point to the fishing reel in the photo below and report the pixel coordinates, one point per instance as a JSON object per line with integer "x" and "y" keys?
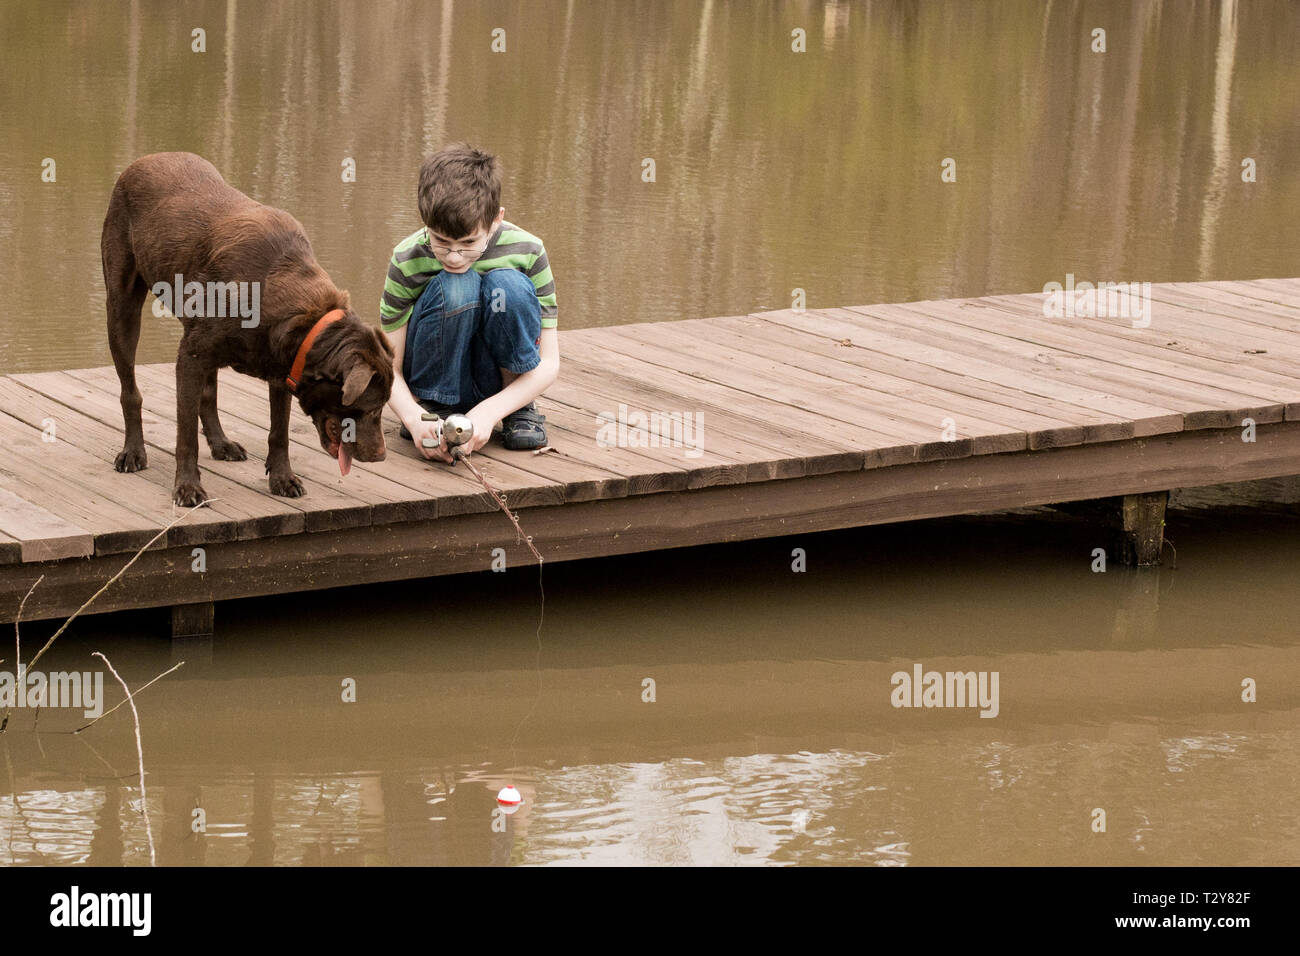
{"x": 455, "y": 430}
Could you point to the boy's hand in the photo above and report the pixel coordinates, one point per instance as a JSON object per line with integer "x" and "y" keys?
{"x": 421, "y": 430}
{"x": 482, "y": 429}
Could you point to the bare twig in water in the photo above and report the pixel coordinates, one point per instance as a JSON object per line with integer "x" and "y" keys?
{"x": 139, "y": 750}
{"x": 112, "y": 771}
{"x": 18, "y": 642}
{"x": 109, "y": 583}
{"x": 19, "y": 814}
{"x": 138, "y": 690}
{"x": 18, "y": 649}
{"x": 13, "y": 795}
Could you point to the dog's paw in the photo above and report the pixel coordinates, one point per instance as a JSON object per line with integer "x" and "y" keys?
{"x": 287, "y": 485}
{"x": 187, "y": 494}
{"x": 228, "y": 451}
{"x": 130, "y": 459}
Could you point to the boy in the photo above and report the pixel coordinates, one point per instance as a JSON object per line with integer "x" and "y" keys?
{"x": 469, "y": 308}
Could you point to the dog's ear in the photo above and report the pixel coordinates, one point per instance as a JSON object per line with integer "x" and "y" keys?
{"x": 357, "y": 381}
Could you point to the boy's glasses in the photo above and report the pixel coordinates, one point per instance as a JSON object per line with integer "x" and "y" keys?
{"x": 469, "y": 255}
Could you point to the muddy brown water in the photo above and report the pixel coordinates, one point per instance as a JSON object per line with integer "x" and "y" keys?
{"x": 771, "y": 737}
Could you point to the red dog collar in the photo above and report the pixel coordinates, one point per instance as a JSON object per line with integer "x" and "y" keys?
{"x": 300, "y": 360}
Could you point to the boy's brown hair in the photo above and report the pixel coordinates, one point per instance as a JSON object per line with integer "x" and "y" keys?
{"x": 459, "y": 191}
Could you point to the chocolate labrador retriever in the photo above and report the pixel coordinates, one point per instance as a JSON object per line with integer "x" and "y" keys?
{"x": 251, "y": 296}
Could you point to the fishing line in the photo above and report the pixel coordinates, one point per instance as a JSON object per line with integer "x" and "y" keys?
{"x": 456, "y": 431}
{"x": 500, "y": 499}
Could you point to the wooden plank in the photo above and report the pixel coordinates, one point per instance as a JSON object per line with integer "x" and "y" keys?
{"x": 100, "y": 402}
{"x": 761, "y": 425}
{"x": 1227, "y": 365}
{"x": 735, "y": 453}
{"x": 354, "y": 499}
{"x": 39, "y": 535}
{"x": 855, "y": 365}
{"x": 1250, "y": 292}
{"x": 1232, "y": 327}
{"x": 255, "y": 514}
{"x": 834, "y": 357}
{"x": 1285, "y": 283}
{"x": 734, "y": 457}
{"x": 523, "y": 486}
{"x": 571, "y": 432}
{"x": 642, "y": 523}
{"x": 848, "y": 402}
{"x": 579, "y": 408}
{"x": 1008, "y": 316}
{"x": 1212, "y": 331}
{"x": 1048, "y": 424}
{"x": 11, "y": 549}
{"x": 1271, "y": 306}
{"x": 1196, "y": 345}
{"x": 453, "y": 489}
{"x": 378, "y": 496}
{"x": 769, "y": 423}
{"x": 1201, "y": 406}
{"x": 1170, "y": 380}
{"x": 872, "y": 430}
{"x": 1064, "y": 398}
{"x": 405, "y": 483}
{"x": 724, "y": 454}
{"x": 64, "y": 481}
{"x": 1265, "y": 289}
{"x": 1212, "y": 310}
{"x": 574, "y": 480}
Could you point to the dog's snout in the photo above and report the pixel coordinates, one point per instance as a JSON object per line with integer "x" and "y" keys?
{"x": 369, "y": 445}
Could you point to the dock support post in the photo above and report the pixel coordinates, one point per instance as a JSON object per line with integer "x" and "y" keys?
{"x": 1142, "y": 527}
{"x": 1136, "y": 522}
{"x": 192, "y": 620}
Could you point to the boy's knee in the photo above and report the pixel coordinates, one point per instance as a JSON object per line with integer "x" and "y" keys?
{"x": 512, "y": 323}
{"x": 449, "y": 292}
{"x": 505, "y": 287}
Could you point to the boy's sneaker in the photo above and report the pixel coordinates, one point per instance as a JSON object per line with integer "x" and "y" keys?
{"x": 522, "y": 430}
{"x": 439, "y": 409}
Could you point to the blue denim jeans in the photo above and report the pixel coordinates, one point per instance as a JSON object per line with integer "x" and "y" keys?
{"x": 464, "y": 328}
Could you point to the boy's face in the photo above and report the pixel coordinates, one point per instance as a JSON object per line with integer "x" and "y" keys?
{"x": 459, "y": 255}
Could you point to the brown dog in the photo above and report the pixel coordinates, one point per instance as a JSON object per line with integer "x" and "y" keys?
{"x": 173, "y": 223}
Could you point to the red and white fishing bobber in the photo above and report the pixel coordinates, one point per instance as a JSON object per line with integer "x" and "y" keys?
{"x": 509, "y": 799}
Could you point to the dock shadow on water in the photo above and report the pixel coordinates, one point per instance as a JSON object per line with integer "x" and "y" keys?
{"x": 710, "y": 706}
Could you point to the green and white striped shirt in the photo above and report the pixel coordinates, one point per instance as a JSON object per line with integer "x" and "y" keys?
{"x": 413, "y": 265}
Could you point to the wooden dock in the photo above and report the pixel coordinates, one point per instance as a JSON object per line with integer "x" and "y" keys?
{"x": 811, "y": 420}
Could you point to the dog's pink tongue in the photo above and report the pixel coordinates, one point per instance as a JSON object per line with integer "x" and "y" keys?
{"x": 345, "y": 459}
